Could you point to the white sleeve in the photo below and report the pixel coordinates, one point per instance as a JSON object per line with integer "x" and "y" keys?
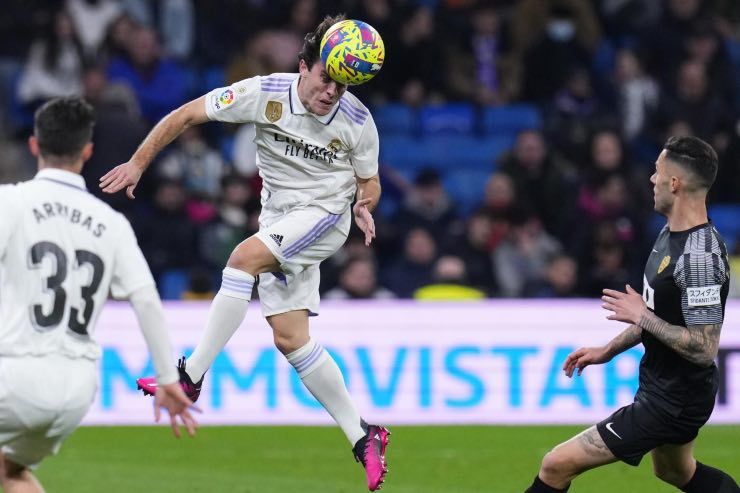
{"x": 8, "y": 204}
{"x": 236, "y": 103}
{"x": 131, "y": 272}
{"x": 149, "y": 312}
{"x": 365, "y": 154}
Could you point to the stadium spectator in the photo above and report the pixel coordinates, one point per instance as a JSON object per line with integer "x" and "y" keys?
{"x": 159, "y": 83}
{"x": 414, "y": 268}
{"x": 427, "y": 206}
{"x": 358, "y": 280}
{"x": 474, "y": 247}
{"x": 560, "y": 280}
{"x": 543, "y": 181}
{"x": 193, "y": 163}
{"x": 174, "y": 21}
{"x": 91, "y": 20}
{"x": 523, "y": 255}
{"x": 449, "y": 282}
{"x": 54, "y": 64}
{"x": 637, "y": 93}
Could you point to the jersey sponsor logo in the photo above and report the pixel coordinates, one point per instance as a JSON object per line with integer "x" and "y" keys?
{"x": 226, "y": 97}
{"x": 648, "y": 293}
{"x": 273, "y": 111}
{"x": 277, "y": 238}
{"x": 609, "y": 427}
{"x": 664, "y": 263}
{"x": 704, "y": 295}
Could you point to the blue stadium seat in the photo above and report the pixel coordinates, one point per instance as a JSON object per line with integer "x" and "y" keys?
{"x": 173, "y": 283}
{"x": 510, "y": 120}
{"x": 466, "y": 187}
{"x": 453, "y": 152}
{"x": 457, "y": 119}
{"x": 396, "y": 119}
{"x": 726, "y": 218}
{"x": 211, "y": 78}
{"x": 405, "y": 154}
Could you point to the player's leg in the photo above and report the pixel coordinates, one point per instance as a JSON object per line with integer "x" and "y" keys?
{"x": 569, "y": 459}
{"x": 676, "y": 465}
{"x": 321, "y": 376}
{"x": 229, "y": 307}
{"x": 17, "y": 478}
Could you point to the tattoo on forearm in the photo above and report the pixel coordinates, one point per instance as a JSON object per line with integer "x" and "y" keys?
{"x": 696, "y": 343}
{"x": 627, "y": 339}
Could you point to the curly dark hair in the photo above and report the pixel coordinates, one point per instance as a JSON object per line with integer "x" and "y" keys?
{"x": 696, "y": 156}
{"x": 312, "y": 42}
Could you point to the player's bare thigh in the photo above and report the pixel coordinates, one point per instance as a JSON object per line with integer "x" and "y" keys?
{"x": 674, "y": 464}
{"x": 289, "y": 330}
{"x": 252, "y": 256}
{"x": 567, "y": 460}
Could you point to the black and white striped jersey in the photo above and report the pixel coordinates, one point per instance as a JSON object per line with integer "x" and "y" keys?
{"x": 686, "y": 281}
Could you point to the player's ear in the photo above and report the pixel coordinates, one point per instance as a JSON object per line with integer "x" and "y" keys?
{"x": 675, "y": 184}
{"x": 33, "y": 146}
{"x": 303, "y": 68}
{"x": 87, "y": 151}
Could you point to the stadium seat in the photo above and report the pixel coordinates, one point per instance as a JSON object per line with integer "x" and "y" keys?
{"x": 405, "y": 154}
{"x": 726, "y": 218}
{"x": 510, "y": 120}
{"x": 211, "y": 78}
{"x": 466, "y": 187}
{"x": 173, "y": 283}
{"x": 448, "y": 153}
{"x": 456, "y": 119}
{"x": 396, "y": 119}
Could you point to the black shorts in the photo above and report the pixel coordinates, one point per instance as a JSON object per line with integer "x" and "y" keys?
{"x": 634, "y": 430}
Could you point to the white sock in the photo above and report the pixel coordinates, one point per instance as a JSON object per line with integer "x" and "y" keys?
{"x": 226, "y": 314}
{"x": 321, "y": 376}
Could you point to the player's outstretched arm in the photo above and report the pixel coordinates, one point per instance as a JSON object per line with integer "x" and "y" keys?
{"x": 697, "y": 343}
{"x": 368, "y": 195}
{"x": 585, "y": 356}
{"x": 128, "y": 174}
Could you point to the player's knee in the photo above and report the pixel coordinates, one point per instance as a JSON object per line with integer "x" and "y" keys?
{"x": 253, "y": 257}
{"x": 287, "y": 343}
{"x": 670, "y": 474}
{"x": 555, "y": 467}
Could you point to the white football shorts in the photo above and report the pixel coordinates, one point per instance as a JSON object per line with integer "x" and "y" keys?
{"x": 300, "y": 240}
{"x": 42, "y": 401}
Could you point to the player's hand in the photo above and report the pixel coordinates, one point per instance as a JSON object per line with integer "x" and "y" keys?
{"x": 172, "y": 398}
{"x": 582, "y": 357}
{"x": 126, "y": 175}
{"x": 364, "y": 219}
{"x": 626, "y": 307}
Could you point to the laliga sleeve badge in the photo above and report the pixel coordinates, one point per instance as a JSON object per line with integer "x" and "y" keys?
{"x": 273, "y": 111}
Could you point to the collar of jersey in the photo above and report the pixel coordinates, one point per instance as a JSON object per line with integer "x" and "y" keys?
{"x": 62, "y": 177}
{"x": 297, "y": 108}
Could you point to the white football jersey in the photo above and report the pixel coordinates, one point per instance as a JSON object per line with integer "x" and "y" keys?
{"x": 302, "y": 158}
{"x": 62, "y": 251}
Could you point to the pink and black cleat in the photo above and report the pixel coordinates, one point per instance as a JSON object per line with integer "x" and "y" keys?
{"x": 370, "y": 451}
{"x": 148, "y": 385}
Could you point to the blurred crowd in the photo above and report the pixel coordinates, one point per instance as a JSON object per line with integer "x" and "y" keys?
{"x": 564, "y": 211}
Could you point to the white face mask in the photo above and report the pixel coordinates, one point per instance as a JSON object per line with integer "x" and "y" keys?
{"x": 561, "y": 30}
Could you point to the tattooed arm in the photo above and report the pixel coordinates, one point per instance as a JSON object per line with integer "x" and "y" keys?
{"x": 582, "y": 357}
{"x": 696, "y": 343}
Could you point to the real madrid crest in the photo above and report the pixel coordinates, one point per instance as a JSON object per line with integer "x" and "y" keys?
{"x": 664, "y": 263}
{"x": 273, "y": 111}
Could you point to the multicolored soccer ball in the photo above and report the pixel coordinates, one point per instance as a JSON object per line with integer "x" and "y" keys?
{"x": 352, "y": 52}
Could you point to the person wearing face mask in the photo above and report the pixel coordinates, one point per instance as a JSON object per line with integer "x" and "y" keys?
{"x": 561, "y": 46}
{"x": 317, "y": 148}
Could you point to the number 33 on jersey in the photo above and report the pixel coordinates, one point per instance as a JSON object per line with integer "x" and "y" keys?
{"x": 61, "y": 252}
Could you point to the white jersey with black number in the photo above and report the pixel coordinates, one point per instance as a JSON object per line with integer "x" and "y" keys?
{"x": 62, "y": 251}
{"x": 303, "y": 159}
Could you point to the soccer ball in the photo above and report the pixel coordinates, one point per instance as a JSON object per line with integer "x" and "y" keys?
{"x": 352, "y": 52}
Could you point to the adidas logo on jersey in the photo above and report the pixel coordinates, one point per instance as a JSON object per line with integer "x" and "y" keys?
{"x": 278, "y": 238}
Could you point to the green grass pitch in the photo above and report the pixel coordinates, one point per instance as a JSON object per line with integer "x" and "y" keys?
{"x": 428, "y": 459}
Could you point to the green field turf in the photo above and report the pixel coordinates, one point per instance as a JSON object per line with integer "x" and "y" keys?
{"x": 307, "y": 460}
